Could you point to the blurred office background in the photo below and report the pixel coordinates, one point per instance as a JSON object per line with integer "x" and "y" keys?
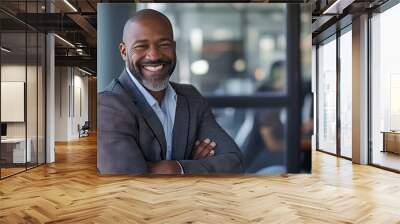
{"x": 235, "y": 54}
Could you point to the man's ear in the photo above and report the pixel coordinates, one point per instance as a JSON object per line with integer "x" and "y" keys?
{"x": 122, "y": 51}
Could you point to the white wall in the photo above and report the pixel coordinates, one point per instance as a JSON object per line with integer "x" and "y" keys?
{"x": 15, "y": 72}
{"x": 71, "y": 94}
{"x": 61, "y": 103}
{"x": 12, "y": 73}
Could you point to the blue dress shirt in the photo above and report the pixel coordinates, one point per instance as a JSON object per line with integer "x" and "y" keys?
{"x": 165, "y": 112}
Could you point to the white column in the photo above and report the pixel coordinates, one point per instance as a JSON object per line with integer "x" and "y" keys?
{"x": 50, "y": 94}
{"x": 360, "y": 90}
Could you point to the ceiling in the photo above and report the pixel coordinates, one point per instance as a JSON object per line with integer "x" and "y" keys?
{"x": 331, "y": 15}
{"x": 76, "y": 22}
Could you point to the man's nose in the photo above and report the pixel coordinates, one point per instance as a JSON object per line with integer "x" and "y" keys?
{"x": 153, "y": 53}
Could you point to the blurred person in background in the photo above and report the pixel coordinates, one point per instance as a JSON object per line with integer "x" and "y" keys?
{"x": 265, "y": 147}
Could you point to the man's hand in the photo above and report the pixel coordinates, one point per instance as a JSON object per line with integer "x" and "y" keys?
{"x": 164, "y": 167}
{"x": 203, "y": 149}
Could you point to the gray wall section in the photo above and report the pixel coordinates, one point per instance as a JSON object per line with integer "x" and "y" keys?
{"x": 111, "y": 18}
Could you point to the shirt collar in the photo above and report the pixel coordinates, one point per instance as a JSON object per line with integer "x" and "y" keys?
{"x": 169, "y": 93}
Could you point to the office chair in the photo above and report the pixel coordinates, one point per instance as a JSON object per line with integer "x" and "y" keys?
{"x": 84, "y": 130}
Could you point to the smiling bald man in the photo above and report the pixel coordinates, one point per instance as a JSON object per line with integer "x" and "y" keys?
{"x": 149, "y": 125}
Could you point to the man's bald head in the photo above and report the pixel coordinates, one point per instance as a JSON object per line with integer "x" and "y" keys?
{"x": 149, "y": 49}
{"x": 150, "y": 15}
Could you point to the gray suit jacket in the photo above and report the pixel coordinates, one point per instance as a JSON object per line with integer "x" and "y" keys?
{"x": 130, "y": 133}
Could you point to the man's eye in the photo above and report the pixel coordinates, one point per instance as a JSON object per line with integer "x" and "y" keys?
{"x": 139, "y": 47}
{"x": 165, "y": 45}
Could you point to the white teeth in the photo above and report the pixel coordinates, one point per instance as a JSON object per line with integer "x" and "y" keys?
{"x": 153, "y": 68}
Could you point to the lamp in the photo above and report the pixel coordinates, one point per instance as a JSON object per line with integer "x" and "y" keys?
{"x": 70, "y": 5}
{"x": 337, "y": 7}
{"x": 5, "y": 50}
{"x": 84, "y": 71}
{"x": 64, "y": 40}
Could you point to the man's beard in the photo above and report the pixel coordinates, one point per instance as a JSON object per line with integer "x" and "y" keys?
{"x": 155, "y": 85}
{"x": 151, "y": 84}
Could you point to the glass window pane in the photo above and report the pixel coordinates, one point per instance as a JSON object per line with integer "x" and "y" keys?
{"x": 385, "y": 85}
{"x": 14, "y": 153}
{"x": 327, "y": 97}
{"x": 22, "y": 88}
{"x": 346, "y": 94}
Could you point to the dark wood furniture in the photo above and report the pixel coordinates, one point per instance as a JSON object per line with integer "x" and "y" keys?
{"x": 391, "y": 141}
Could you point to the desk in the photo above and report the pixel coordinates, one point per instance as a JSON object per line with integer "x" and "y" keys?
{"x": 15, "y": 148}
{"x": 391, "y": 141}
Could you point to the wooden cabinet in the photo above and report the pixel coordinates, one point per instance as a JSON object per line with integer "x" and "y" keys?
{"x": 391, "y": 141}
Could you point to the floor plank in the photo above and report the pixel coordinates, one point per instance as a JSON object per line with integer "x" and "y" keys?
{"x": 70, "y": 191}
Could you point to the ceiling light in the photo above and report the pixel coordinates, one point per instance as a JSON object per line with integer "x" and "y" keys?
{"x": 5, "y": 50}
{"x": 199, "y": 67}
{"x": 337, "y": 7}
{"x": 84, "y": 71}
{"x": 70, "y": 5}
{"x": 239, "y": 65}
{"x": 65, "y": 41}
{"x": 196, "y": 39}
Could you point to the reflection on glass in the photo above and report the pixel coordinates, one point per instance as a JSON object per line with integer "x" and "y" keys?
{"x": 22, "y": 90}
{"x": 345, "y": 94}
{"x": 226, "y": 49}
{"x": 385, "y": 85}
{"x": 327, "y": 96}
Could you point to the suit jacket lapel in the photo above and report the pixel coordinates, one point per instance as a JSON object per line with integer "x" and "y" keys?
{"x": 181, "y": 128}
{"x": 146, "y": 111}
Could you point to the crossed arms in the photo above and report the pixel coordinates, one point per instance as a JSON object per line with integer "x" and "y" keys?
{"x": 201, "y": 150}
{"x": 119, "y": 151}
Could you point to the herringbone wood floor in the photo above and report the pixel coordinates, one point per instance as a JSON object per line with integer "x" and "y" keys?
{"x": 70, "y": 191}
